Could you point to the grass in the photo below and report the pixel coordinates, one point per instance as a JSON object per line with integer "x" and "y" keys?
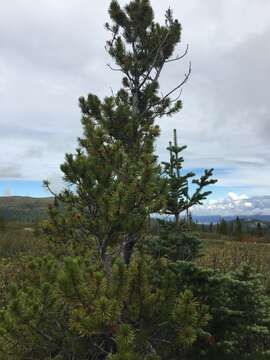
{"x": 20, "y": 239}
{"x": 225, "y": 254}
{"x": 221, "y": 253}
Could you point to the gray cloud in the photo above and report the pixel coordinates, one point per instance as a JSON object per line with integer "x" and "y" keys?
{"x": 10, "y": 171}
{"x": 55, "y": 53}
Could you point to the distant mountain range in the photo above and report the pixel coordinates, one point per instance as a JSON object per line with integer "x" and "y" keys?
{"x": 207, "y": 219}
{"x": 28, "y": 209}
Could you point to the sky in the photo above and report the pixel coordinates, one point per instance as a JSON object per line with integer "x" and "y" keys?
{"x": 52, "y": 52}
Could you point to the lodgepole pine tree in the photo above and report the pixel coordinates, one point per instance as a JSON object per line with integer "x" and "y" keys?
{"x": 114, "y": 170}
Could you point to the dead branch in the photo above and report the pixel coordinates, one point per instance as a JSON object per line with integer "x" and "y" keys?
{"x": 173, "y": 90}
{"x": 178, "y": 57}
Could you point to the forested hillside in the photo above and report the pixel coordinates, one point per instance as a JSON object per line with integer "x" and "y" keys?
{"x": 24, "y": 209}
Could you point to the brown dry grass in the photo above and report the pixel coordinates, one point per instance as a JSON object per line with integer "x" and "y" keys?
{"x": 225, "y": 255}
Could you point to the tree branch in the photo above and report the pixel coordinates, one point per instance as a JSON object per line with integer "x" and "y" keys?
{"x": 155, "y": 60}
{"x": 114, "y": 69}
{"x": 173, "y": 90}
{"x": 178, "y": 86}
{"x": 178, "y": 57}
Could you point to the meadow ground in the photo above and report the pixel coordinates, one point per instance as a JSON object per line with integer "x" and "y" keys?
{"x": 225, "y": 254}
{"x": 221, "y": 253}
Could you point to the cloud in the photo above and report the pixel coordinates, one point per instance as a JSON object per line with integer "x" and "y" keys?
{"x": 236, "y": 198}
{"x": 56, "y": 54}
{"x": 235, "y": 204}
{"x": 10, "y": 171}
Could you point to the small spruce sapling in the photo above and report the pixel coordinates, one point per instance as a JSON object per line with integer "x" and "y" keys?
{"x": 179, "y": 199}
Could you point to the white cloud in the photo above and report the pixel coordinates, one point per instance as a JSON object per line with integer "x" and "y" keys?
{"x": 234, "y": 205}
{"x": 236, "y": 198}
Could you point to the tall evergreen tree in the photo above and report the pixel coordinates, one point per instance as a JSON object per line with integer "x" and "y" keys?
{"x": 114, "y": 170}
{"x": 259, "y": 229}
{"x": 223, "y": 227}
{"x": 238, "y": 228}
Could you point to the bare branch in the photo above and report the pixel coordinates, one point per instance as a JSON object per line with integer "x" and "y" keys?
{"x": 114, "y": 32}
{"x": 112, "y": 92}
{"x": 180, "y": 85}
{"x": 121, "y": 70}
{"x": 114, "y": 69}
{"x": 155, "y": 60}
{"x": 178, "y": 97}
{"x": 173, "y": 90}
{"x": 178, "y": 57}
{"x": 46, "y": 184}
{"x": 159, "y": 71}
{"x": 149, "y": 77}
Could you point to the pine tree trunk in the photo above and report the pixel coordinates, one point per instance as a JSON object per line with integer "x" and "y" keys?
{"x": 177, "y": 220}
{"x": 106, "y": 262}
{"x": 128, "y": 248}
